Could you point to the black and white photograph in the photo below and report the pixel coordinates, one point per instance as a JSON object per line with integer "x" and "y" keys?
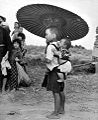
{"x": 48, "y": 60}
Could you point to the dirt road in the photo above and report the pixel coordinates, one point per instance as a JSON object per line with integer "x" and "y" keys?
{"x": 86, "y": 109}
{"x": 35, "y": 103}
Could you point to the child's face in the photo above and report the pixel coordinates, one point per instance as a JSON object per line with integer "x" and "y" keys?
{"x": 20, "y": 29}
{"x": 62, "y": 43}
{"x": 16, "y": 25}
{"x": 49, "y": 36}
{"x": 16, "y": 45}
{"x": 19, "y": 37}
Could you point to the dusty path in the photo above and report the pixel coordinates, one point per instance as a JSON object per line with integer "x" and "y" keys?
{"x": 87, "y": 109}
{"x": 35, "y": 104}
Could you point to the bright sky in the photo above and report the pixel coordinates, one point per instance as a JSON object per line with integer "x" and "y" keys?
{"x": 87, "y": 9}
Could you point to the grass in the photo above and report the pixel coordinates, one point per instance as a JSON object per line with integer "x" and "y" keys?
{"x": 79, "y": 84}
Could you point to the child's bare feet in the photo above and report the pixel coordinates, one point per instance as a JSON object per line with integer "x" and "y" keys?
{"x": 53, "y": 115}
{"x": 62, "y": 112}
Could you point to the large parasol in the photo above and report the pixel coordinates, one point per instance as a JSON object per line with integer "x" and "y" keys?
{"x": 36, "y": 18}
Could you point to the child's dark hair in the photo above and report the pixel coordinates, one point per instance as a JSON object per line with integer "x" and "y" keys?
{"x": 18, "y": 24}
{"x": 18, "y": 41}
{"x": 56, "y": 31}
{"x": 22, "y": 35}
{"x": 67, "y": 43}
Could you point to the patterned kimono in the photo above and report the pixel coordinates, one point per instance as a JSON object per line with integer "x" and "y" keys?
{"x": 13, "y": 72}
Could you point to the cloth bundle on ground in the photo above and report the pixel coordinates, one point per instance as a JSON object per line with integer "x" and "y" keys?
{"x": 22, "y": 75}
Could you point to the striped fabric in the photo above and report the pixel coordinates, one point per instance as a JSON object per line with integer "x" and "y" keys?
{"x": 13, "y": 76}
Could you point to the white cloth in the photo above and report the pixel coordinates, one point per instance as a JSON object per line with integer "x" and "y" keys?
{"x": 66, "y": 67}
{"x": 4, "y": 65}
{"x": 50, "y": 56}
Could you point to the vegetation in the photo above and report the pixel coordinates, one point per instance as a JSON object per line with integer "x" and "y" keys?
{"x": 80, "y": 83}
{"x": 80, "y": 59}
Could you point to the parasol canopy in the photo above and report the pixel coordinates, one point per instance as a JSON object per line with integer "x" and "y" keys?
{"x": 36, "y": 18}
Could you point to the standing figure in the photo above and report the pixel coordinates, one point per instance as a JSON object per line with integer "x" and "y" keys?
{"x": 51, "y": 76}
{"x": 95, "y": 52}
{"x": 4, "y": 24}
{"x": 22, "y": 38}
{"x": 17, "y": 29}
{"x": 14, "y": 55}
{"x": 5, "y": 47}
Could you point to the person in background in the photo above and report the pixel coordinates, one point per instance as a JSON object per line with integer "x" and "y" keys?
{"x": 95, "y": 50}
{"x": 57, "y": 89}
{"x": 17, "y": 74}
{"x": 95, "y": 53}
{"x": 17, "y": 29}
{"x": 5, "y": 47}
{"x": 22, "y": 37}
{"x": 4, "y": 24}
{"x": 18, "y": 34}
{"x": 14, "y": 55}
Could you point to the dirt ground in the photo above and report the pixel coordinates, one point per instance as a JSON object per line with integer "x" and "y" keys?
{"x": 35, "y": 103}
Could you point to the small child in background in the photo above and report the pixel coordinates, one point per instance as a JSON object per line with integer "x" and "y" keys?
{"x": 17, "y": 73}
{"x": 22, "y": 37}
{"x": 63, "y": 58}
{"x": 14, "y": 55}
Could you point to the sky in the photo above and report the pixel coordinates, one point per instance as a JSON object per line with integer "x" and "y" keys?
{"x": 87, "y": 9}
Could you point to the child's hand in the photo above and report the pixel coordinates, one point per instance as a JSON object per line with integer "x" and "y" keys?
{"x": 6, "y": 56}
{"x": 16, "y": 59}
{"x": 57, "y": 53}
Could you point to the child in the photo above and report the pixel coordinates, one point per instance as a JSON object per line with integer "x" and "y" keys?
{"x": 14, "y": 56}
{"x": 64, "y": 63}
{"x": 22, "y": 38}
{"x": 22, "y": 75}
{"x": 52, "y": 77}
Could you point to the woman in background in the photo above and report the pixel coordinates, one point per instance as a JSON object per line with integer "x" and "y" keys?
{"x": 17, "y": 29}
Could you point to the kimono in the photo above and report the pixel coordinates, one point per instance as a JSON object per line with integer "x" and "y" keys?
{"x": 13, "y": 72}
